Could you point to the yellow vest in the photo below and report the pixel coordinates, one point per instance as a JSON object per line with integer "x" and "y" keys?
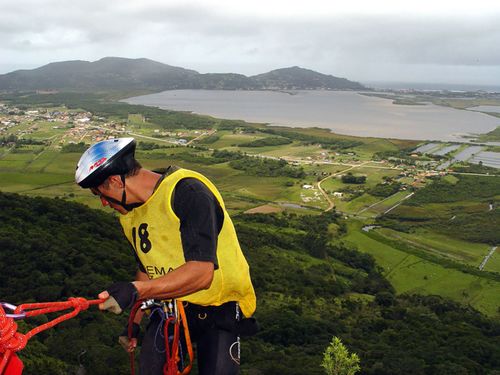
{"x": 153, "y": 231}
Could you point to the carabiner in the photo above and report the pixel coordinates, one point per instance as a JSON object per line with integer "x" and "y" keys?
{"x": 12, "y": 308}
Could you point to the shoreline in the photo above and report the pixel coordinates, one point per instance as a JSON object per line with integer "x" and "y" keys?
{"x": 349, "y": 128}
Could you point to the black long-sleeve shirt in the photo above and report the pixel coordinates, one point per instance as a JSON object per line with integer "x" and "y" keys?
{"x": 201, "y": 218}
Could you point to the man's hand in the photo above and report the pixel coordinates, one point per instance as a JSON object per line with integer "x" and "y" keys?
{"x": 129, "y": 344}
{"x": 119, "y": 296}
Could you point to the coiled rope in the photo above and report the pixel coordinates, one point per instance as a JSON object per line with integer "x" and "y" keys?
{"x": 12, "y": 341}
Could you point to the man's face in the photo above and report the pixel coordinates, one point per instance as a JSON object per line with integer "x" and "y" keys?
{"x": 110, "y": 189}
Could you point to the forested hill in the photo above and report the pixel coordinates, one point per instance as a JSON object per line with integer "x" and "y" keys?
{"x": 308, "y": 291}
{"x": 114, "y": 73}
{"x": 296, "y": 77}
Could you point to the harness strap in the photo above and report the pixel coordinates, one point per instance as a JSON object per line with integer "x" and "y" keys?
{"x": 172, "y": 357}
{"x": 187, "y": 336}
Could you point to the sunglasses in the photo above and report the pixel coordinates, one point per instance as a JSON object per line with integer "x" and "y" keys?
{"x": 103, "y": 198}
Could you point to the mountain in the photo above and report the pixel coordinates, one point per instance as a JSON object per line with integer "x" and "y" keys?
{"x": 109, "y": 73}
{"x": 304, "y": 79}
{"x": 115, "y": 73}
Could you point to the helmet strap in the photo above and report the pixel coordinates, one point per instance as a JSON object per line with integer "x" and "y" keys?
{"x": 128, "y": 207}
{"x": 123, "y": 203}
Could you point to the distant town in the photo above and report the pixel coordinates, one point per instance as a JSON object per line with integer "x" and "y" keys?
{"x": 60, "y": 126}
{"x": 75, "y": 126}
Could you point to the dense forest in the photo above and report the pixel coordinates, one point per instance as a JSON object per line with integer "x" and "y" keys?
{"x": 309, "y": 286}
{"x": 263, "y": 142}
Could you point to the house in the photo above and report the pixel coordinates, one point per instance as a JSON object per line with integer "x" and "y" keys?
{"x": 338, "y": 194}
{"x": 306, "y": 186}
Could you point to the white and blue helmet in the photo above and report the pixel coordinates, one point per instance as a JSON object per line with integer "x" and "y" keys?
{"x": 104, "y": 159}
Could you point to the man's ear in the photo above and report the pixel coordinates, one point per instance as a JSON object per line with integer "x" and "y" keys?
{"x": 115, "y": 181}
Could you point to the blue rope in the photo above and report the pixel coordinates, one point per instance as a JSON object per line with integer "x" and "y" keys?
{"x": 159, "y": 328}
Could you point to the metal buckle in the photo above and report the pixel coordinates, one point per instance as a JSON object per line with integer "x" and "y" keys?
{"x": 149, "y": 304}
{"x": 11, "y": 307}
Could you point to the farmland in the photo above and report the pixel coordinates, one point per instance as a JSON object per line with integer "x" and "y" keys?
{"x": 432, "y": 229}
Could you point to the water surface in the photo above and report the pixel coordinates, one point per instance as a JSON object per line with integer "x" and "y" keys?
{"x": 445, "y": 150}
{"x": 486, "y": 108}
{"x": 488, "y": 158}
{"x": 342, "y": 112}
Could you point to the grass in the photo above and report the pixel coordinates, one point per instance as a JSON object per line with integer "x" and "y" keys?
{"x": 411, "y": 274}
{"x": 51, "y": 162}
{"x": 315, "y": 170}
{"x": 356, "y": 205}
{"x": 46, "y": 172}
{"x": 228, "y": 139}
{"x": 466, "y": 103}
{"x": 15, "y": 161}
{"x": 45, "y": 130}
{"x": 493, "y": 264}
{"x": 458, "y": 250}
{"x": 291, "y": 150}
{"x": 23, "y": 182}
{"x": 375, "y": 175}
{"x": 333, "y": 184}
{"x": 372, "y": 146}
{"x": 385, "y": 204}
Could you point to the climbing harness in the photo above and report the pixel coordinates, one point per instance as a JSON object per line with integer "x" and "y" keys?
{"x": 173, "y": 318}
{"x": 12, "y": 341}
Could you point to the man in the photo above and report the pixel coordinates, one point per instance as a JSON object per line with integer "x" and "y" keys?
{"x": 186, "y": 248}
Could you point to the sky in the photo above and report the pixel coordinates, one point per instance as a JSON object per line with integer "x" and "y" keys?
{"x": 366, "y": 41}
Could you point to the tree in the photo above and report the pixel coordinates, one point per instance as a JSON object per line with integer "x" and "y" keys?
{"x": 349, "y": 178}
{"x": 338, "y": 361}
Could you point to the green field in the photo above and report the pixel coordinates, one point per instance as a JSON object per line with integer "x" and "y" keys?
{"x": 228, "y": 139}
{"x": 493, "y": 264}
{"x": 374, "y": 145}
{"x": 411, "y": 274}
{"x": 51, "y": 173}
{"x": 383, "y": 205}
{"x": 366, "y": 204}
{"x": 292, "y": 150}
{"x": 465, "y": 252}
{"x": 410, "y": 255}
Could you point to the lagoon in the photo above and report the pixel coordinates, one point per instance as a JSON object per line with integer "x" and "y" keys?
{"x": 486, "y": 108}
{"x": 343, "y": 112}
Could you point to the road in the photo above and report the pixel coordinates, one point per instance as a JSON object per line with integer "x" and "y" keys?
{"x": 331, "y": 203}
{"x": 487, "y": 257}
{"x": 397, "y": 204}
{"x": 374, "y": 204}
{"x": 208, "y": 134}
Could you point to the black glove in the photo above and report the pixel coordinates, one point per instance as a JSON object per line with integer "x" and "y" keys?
{"x": 136, "y": 329}
{"x": 122, "y": 295}
{"x": 124, "y": 340}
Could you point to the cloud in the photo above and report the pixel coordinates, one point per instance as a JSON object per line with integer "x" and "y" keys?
{"x": 218, "y": 36}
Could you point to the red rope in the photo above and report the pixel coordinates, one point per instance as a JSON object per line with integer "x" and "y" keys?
{"x": 131, "y": 317}
{"x": 170, "y": 367}
{"x": 12, "y": 341}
